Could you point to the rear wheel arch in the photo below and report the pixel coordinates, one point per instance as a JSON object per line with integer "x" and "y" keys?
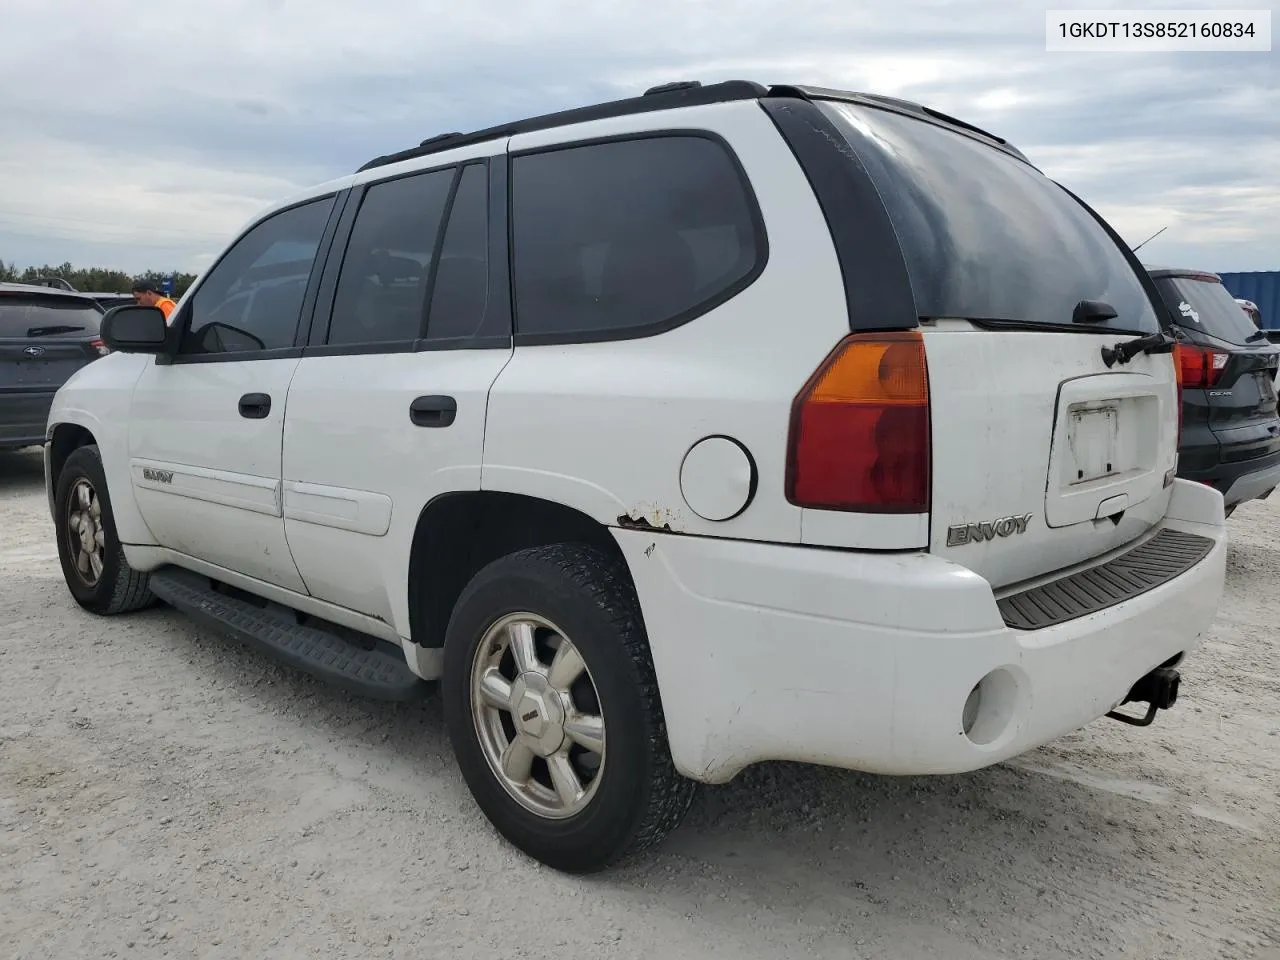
{"x": 459, "y": 534}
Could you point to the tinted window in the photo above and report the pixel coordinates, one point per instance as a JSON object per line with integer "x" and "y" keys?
{"x": 252, "y": 298}
{"x": 382, "y": 289}
{"x": 1208, "y": 307}
{"x": 628, "y": 234}
{"x": 29, "y": 317}
{"x": 986, "y": 236}
{"x": 461, "y": 290}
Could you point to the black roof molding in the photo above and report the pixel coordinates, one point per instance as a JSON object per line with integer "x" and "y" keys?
{"x": 687, "y": 93}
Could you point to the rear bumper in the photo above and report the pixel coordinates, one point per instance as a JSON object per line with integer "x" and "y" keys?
{"x": 866, "y": 661}
{"x": 1237, "y": 481}
{"x": 23, "y": 417}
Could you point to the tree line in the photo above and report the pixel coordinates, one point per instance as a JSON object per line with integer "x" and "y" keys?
{"x": 94, "y": 279}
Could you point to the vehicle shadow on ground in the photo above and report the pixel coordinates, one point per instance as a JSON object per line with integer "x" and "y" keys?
{"x": 21, "y": 471}
{"x": 837, "y": 856}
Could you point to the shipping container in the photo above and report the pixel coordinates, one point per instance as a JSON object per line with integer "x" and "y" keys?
{"x": 1260, "y": 286}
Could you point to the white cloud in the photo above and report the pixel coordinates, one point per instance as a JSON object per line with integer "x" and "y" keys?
{"x": 166, "y": 124}
{"x": 144, "y": 210}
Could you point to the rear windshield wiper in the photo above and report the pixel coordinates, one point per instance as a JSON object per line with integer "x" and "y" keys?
{"x": 1041, "y": 326}
{"x": 1256, "y": 336}
{"x": 52, "y": 331}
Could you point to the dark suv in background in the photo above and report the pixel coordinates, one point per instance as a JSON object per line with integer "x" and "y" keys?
{"x": 1230, "y": 425}
{"x": 46, "y": 334}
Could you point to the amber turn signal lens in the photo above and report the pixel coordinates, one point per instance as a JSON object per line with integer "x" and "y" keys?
{"x": 860, "y": 434}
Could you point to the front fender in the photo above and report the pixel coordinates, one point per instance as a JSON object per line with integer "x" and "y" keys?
{"x": 98, "y": 398}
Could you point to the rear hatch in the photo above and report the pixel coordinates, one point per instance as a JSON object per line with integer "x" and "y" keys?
{"x": 1229, "y": 367}
{"x": 44, "y": 338}
{"x": 1042, "y": 455}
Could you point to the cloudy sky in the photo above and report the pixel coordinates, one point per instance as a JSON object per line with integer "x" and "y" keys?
{"x": 142, "y": 133}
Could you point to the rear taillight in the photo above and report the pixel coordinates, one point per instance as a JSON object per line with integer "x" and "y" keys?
{"x": 1198, "y": 367}
{"x": 100, "y": 348}
{"x": 860, "y": 429}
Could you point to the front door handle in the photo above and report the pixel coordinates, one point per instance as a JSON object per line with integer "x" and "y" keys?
{"x": 433, "y": 411}
{"x": 255, "y": 406}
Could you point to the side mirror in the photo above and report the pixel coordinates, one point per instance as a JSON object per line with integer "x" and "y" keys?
{"x": 135, "y": 329}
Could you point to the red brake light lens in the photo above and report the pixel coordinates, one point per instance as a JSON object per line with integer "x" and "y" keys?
{"x": 1199, "y": 368}
{"x": 860, "y": 435}
{"x": 99, "y": 346}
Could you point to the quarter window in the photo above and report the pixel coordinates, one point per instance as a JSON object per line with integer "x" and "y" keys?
{"x": 625, "y": 237}
{"x": 252, "y": 298}
{"x": 383, "y": 285}
{"x": 460, "y": 293}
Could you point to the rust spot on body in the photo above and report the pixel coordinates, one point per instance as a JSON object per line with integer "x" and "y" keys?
{"x": 646, "y": 516}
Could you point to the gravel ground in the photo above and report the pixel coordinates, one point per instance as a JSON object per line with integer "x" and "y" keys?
{"x": 166, "y": 793}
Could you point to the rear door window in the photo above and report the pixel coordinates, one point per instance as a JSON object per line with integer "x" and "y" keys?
{"x": 986, "y": 236}
{"x": 40, "y": 317}
{"x": 629, "y": 237}
{"x": 382, "y": 287}
{"x": 1206, "y": 306}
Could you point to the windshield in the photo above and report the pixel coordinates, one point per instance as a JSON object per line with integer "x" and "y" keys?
{"x": 986, "y": 236}
{"x": 29, "y": 316}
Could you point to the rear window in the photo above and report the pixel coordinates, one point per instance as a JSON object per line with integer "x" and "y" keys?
{"x": 985, "y": 236}
{"x": 1205, "y": 305}
{"x": 27, "y": 317}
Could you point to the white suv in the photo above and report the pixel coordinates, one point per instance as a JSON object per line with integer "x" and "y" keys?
{"x": 718, "y": 425}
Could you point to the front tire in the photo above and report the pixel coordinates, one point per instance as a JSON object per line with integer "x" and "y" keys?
{"x": 553, "y": 710}
{"x": 93, "y": 562}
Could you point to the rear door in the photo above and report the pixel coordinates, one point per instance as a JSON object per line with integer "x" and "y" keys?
{"x": 1043, "y": 456}
{"x": 1229, "y": 367}
{"x": 44, "y": 338}
{"x": 387, "y": 409}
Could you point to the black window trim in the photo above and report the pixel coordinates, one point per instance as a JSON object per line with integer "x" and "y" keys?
{"x": 760, "y": 237}
{"x": 877, "y": 284}
{"x": 497, "y": 314}
{"x": 182, "y": 321}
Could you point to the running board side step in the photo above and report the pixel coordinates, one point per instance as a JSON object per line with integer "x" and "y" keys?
{"x": 368, "y": 667}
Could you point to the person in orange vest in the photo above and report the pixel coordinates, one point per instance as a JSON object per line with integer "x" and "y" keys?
{"x": 148, "y": 295}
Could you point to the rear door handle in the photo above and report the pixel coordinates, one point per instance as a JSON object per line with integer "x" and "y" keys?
{"x": 255, "y": 406}
{"x": 433, "y": 411}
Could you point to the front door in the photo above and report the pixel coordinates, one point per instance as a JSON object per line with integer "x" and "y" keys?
{"x": 206, "y": 429}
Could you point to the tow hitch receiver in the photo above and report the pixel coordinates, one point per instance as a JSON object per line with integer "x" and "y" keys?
{"x": 1158, "y": 689}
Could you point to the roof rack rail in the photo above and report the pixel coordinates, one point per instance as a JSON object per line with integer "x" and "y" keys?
{"x": 675, "y": 85}
{"x": 686, "y": 93}
{"x": 441, "y": 138}
{"x": 666, "y": 97}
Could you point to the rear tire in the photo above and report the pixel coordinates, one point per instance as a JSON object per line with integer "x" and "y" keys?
{"x": 531, "y": 744}
{"x": 93, "y": 562}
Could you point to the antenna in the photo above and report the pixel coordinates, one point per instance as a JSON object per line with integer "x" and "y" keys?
{"x": 1149, "y": 239}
